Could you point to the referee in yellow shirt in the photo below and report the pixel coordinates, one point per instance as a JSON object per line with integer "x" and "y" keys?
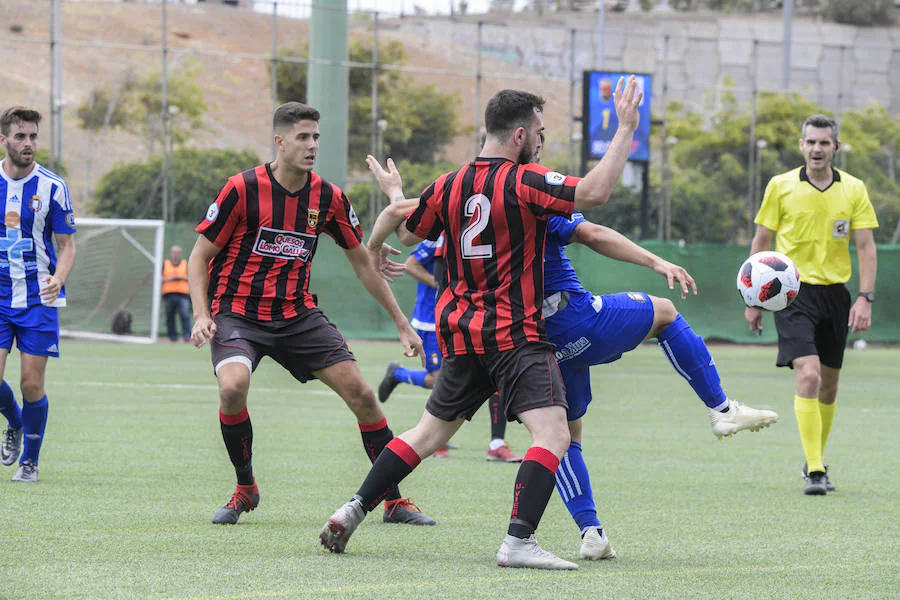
{"x": 812, "y": 210}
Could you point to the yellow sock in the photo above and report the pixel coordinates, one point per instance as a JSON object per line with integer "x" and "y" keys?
{"x": 809, "y": 422}
{"x": 826, "y": 411}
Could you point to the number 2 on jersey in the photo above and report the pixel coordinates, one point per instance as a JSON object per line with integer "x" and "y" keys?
{"x": 478, "y": 209}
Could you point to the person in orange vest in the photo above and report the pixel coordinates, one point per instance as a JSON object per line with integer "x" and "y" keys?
{"x": 176, "y": 294}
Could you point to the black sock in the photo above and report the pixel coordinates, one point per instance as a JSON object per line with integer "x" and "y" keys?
{"x": 237, "y": 432}
{"x": 498, "y": 418}
{"x": 396, "y": 462}
{"x": 534, "y": 485}
{"x": 375, "y": 437}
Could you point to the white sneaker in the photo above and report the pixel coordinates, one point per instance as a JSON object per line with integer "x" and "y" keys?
{"x": 595, "y": 545}
{"x": 337, "y": 531}
{"x": 27, "y": 472}
{"x": 517, "y": 553}
{"x": 11, "y": 445}
{"x": 738, "y": 418}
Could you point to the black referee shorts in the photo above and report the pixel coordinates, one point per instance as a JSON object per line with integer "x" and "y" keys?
{"x": 527, "y": 377}
{"x": 814, "y": 324}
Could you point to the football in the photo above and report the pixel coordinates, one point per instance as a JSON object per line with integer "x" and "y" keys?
{"x": 768, "y": 280}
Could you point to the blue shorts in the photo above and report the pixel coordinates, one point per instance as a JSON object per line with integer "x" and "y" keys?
{"x": 433, "y": 357}
{"x": 35, "y": 329}
{"x": 595, "y": 330}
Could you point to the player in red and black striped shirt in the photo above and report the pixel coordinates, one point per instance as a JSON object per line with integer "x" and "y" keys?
{"x": 249, "y": 283}
{"x": 493, "y": 213}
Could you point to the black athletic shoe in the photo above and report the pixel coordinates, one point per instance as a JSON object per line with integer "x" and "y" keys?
{"x": 402, "y": 510}
{"x": 388, "y": 383}
{"x": 828, "y": 485}
{"x": 815, "y": 484}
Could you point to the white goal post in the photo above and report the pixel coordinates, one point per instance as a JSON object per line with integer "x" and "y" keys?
{"x": 118, "y": 269}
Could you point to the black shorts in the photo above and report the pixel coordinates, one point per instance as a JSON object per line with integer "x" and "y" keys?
{"x": 814, "y": 324}
{"x": 302, "y": 345}
{"x": 526, "y": 377}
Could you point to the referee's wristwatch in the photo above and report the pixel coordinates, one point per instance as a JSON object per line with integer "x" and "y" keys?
{"x": 870, "y": 296}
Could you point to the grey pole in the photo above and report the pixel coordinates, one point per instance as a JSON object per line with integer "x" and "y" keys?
{"x": 572, "y": 34}
{"x": 57, "y": 108}
{"x": 662, "y": 220}
{"x": 751, "y": 155}
{"x": 374, "y": 195}
{"x": 165, "y": 116}
{"x": 479, "y": 111}
{"x": 274, "y": 64}
{"x": 786, "y": 62}
{"x": 598, "y": 54}
{"x": 53, "y": 124}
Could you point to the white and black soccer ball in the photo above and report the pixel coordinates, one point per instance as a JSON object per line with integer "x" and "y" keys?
{"x": 768, "y": 280}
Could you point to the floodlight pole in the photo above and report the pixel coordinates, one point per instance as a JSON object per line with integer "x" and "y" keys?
{"x": 165, "y": 116}
{"x": 786, "y": 61}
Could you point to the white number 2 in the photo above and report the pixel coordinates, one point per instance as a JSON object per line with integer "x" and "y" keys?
{"x": 478, "y": 207}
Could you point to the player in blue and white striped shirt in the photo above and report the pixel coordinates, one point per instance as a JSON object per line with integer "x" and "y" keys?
{"x": 37, "y": 211}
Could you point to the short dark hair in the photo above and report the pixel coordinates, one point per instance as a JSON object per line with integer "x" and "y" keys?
{"x": 822, "y": 122}
{"x": 509, "y": 109}
{"x": 290, "y": 113}
{"x": 15, "y": 114}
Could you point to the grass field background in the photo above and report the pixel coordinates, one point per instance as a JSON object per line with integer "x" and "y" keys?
{"x": 133, "y": 467}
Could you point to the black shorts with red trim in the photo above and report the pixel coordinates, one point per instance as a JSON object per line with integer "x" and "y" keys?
{"x": 526, "y": 377}
{"x": 302, "y": 345}
{"x": 814, "y": 324}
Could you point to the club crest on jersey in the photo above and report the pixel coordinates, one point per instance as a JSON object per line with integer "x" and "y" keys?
{"x": 212, "y": 212}
{"x": 554, "y": 178}
{"x": 284, "y": 244}
{"x": 312, "y": 217}
{"x": 35, "y": 203}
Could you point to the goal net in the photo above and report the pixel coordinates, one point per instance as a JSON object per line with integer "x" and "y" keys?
{"x": 118, "y": 269}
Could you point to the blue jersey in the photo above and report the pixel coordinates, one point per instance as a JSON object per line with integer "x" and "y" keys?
{"x": 426, "y": 296}
{"x": 34, "y": 207}
{"x": 559, "y": 275}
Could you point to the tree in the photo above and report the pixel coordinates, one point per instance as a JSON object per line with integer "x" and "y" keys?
{"x": 421, "y": 120}
{"x": 132, "y": 191}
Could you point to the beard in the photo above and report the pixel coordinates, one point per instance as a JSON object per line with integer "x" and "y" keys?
{"x": 18, "y": 160}
{"x": 526, "y": 155}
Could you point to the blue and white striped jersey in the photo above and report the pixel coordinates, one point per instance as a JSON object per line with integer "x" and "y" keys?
{"x": 34, "y": 207}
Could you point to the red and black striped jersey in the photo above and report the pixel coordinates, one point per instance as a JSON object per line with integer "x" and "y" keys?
{"x": 268, "y": 238}
{"x": 494, "y": 214}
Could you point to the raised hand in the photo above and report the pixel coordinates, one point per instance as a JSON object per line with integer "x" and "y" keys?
{"x": 389, "y": 180}
{"x": 627, "y": 103}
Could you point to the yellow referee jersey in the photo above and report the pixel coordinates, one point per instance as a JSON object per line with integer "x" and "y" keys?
{"x": 813, "y": 226}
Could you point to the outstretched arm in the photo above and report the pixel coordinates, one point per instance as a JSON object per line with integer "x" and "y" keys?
{"x": 613, "y": 244}
{"x": 600, "y": 181}
{"x": 379, "y": 289}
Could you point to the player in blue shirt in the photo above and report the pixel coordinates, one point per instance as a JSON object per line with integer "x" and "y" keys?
{"x": 37, "y": 211}
{"x": 421, "y": 265}
{"x": 592, "y": 330}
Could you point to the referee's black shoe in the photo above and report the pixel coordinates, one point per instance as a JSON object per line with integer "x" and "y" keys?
{"x": 828, "y": 485}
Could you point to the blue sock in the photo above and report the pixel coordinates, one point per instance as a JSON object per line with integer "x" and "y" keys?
{"x": 34, "y": 417}
{"x": 690, "y": 357}
{"x": 574, "y": 486}
{"x": 410, "y": 376}
{"x": 8, "y": 406}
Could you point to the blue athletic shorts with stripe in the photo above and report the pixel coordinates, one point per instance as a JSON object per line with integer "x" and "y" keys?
{"x": 433, "y": 356}
{"x": 35, "y": 329}
{"x": 594, "y": 330}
